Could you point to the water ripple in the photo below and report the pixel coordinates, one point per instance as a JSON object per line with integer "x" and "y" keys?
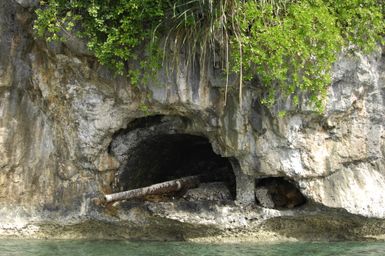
{"x": 123, "y": 248}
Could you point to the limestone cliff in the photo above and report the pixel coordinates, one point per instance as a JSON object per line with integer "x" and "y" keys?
{"x": 71, "y": 131}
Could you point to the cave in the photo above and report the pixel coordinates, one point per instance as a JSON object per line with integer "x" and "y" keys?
{"x": 157, "y": 149}
{"x": 278, "y": 193}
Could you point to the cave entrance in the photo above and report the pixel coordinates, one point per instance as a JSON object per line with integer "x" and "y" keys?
{"x": 278, "y": 193}
{"x": 151, "y": 158}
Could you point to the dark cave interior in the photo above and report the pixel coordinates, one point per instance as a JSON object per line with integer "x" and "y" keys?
{"x": 278, "y": 193}
{"x": 166, "y": 157}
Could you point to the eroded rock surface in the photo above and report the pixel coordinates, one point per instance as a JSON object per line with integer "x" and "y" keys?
{"x": 214, "y": 191}
{"x": 61, "y": 121}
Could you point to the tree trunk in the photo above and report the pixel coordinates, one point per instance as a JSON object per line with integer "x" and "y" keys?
{"x": 156, "y": 189}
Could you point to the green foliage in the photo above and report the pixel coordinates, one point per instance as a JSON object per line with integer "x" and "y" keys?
{"x": 290, "y": 45}
{"x": 294, "y": 51}
{"x": 114, "y": 29}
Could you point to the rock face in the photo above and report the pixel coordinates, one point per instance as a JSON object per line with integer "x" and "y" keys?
{"x": 214, "y": 191}
{"x": 71, "y": 131}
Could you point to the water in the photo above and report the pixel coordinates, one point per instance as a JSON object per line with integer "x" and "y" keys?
{"x": 122, "y": 248}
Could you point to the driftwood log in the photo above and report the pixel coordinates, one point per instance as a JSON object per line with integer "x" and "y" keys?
{"x": 156, "y": 189}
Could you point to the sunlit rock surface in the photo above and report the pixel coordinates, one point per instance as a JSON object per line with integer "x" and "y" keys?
{"x": 67, "y": 126}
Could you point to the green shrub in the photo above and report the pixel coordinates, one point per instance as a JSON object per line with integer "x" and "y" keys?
{"x": 289, "y": 45}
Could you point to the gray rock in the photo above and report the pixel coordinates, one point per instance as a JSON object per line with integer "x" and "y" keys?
{"x": 27, "y": 3}
{"x": 264, "y": 197}
{"x": 215, "y": 191}
{"x": 62, "y": 146}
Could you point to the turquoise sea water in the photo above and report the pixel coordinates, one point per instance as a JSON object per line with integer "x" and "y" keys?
{"x": 121, "y": 248}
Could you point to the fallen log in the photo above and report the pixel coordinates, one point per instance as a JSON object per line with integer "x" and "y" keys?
{"x": 156, "y": 189}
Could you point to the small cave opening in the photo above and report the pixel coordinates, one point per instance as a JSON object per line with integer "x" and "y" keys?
{"x": 278, "y": 193}
{"x": 163, "y": 157}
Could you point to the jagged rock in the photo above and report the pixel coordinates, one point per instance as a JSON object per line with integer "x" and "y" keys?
{"x": 215, "y": 191}
{"x": 264, "y": 197}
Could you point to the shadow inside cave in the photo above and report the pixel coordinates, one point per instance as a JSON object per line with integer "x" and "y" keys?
{"x": 155, "y": 153}
{"x": 278, "y": 193}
